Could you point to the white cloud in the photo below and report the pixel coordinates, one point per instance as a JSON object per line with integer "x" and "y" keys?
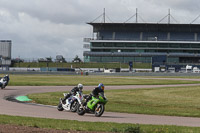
{"x": 43, "y": 28}
{"x": 36, "y": 38}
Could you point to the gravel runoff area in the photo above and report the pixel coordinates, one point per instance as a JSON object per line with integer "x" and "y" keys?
{"x": 14, "y": 108}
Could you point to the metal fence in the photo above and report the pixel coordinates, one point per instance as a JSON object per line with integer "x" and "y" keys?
{"x": 105, "y": 74}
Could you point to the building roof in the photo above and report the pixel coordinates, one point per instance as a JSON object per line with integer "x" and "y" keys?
{"x": 152, "y": 27}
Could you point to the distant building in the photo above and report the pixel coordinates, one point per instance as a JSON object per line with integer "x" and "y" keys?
{"x": 5, "y": 54}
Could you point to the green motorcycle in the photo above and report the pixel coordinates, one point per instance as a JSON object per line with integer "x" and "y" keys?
{"x": 95, "y": 105}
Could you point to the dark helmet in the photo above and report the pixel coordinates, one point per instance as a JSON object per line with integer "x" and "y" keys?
{"x": 101, "y": 86}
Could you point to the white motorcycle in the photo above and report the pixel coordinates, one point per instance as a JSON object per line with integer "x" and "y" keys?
{"x": 4, "y": 82}
{"x": 71, "y": 103}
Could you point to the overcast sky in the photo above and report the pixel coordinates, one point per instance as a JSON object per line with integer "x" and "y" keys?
{"x": 46, "y": 28}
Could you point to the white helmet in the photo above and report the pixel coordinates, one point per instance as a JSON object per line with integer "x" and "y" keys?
{"x": 80, "y": 86}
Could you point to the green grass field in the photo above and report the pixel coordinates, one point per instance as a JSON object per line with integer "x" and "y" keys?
{"x": 174, "y": 101}
{"x": 57, "y": 80}
{"x": 94, "y": 126}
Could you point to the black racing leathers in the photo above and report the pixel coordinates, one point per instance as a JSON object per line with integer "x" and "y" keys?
{"x": 95, "y": 92}
{"x": 72, "y": 92}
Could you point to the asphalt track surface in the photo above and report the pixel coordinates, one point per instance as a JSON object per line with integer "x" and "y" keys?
{"x": 31, "y": 110}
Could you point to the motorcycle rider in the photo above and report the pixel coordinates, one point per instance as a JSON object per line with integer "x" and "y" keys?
{"x": 79, "y": 87}
{"x": 6, "y": 78}
{"x": 95, "y": 92}
{"x": 4, "y": 81}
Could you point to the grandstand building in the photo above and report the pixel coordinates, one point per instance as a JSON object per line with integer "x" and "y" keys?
{"x": 144, "y": 42}
{"x": 161, "y": 44}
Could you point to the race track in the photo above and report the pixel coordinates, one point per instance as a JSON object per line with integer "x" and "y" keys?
{"x": 30, "y": 110}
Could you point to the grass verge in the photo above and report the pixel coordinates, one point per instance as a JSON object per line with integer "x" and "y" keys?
{"x": 49, "y": 80}
{"x": 93, "y": 126}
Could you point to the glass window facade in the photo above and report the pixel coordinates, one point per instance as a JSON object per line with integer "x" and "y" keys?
{"x": 173, "y": 59}
{"x": 138, "y": 47}
{"x": 119, "y": 59}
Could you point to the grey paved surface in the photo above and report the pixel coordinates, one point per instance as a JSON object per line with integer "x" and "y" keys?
{"x": 19, "y": 109}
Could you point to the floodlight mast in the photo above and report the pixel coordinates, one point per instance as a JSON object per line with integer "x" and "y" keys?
{"x": 104, "y": 15}
{"x": 169, "y": 16}
{"x": 136, "y": 16}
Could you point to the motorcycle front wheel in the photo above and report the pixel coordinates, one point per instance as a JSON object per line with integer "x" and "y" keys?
{"x": 59, "y": 107}
{"x": 99, "y": 110}
{"x": 80, "y": 111}
{"x": 74, "y": 106}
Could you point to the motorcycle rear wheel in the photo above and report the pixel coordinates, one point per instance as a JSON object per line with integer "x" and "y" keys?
{"x": 80, "y": 111}
{"x": 99, "y": 110}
